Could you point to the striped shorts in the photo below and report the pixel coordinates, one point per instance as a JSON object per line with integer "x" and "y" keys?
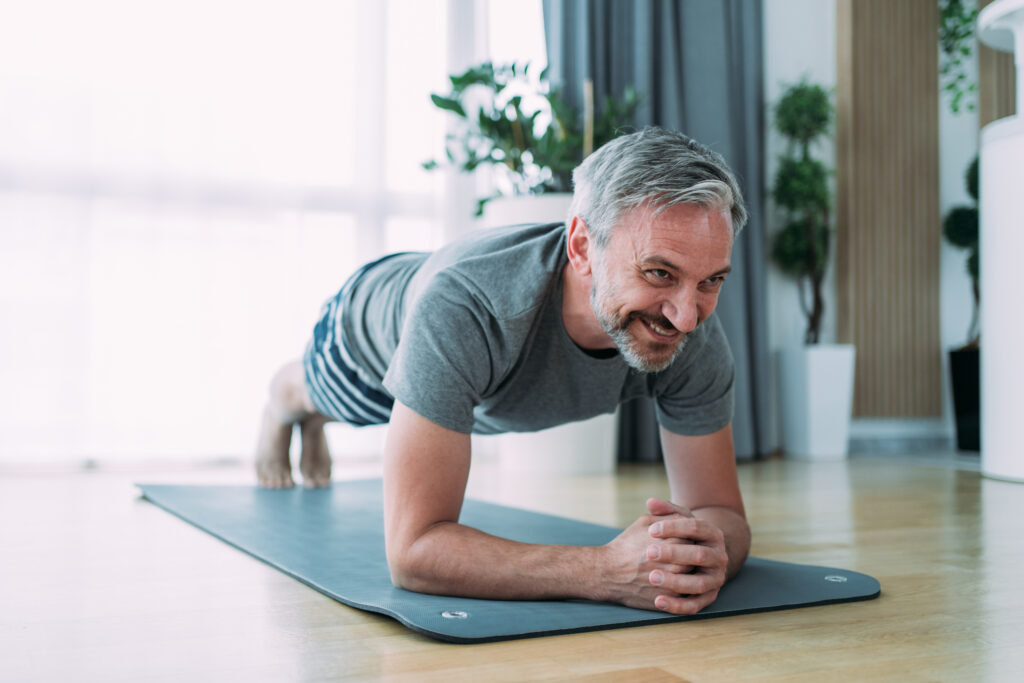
{"x": 334, "y": 386}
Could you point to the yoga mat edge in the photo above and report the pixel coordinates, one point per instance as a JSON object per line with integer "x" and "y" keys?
{"x": 222, "y": 512}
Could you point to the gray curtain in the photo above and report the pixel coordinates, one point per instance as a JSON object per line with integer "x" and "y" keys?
{"x": 697, "y": 65}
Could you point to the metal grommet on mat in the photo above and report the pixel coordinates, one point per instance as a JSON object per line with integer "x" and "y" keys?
{"x": 836, "y": 578}
{"x": 454, "y": 614}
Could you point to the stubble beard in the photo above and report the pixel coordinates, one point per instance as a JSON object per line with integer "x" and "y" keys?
{"x": 619, "y": 329}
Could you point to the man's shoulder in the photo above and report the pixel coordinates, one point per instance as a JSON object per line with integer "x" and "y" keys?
{"x": 508, "y": 271}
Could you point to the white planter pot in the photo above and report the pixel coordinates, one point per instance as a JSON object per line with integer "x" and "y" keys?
{"x": 585, "y": 447}
{"x": 816, "y": 387}
{"x": 533, "y": 208}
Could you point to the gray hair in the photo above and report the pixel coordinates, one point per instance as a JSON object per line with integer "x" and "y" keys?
{"x": 653, "y": 165}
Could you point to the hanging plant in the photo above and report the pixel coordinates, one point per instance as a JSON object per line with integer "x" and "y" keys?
{"x": 956, "y": 40}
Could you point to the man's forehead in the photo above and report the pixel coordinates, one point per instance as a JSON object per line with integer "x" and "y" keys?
{"x": 680, "y": 222}
{"x": 700, "y": 233}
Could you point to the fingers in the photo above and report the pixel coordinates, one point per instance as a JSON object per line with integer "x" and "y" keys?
{"x": 684, "y": 604}
{"x": 660, "y": 508}
{"x": 690, "y": 562}
{"x": 685, "y": 544}
{"x": 686, "y": 593}
{"x": 688, "y": 555}
{"x": 689, "y": 528}
{"x": 686, "y": 559}
{"x": 695, "y": 583}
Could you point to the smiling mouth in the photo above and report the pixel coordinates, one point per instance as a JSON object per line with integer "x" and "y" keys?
{"x": 667, "y": 334}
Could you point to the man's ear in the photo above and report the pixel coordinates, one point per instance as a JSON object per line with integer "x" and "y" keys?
{"x": 580, "y": 246}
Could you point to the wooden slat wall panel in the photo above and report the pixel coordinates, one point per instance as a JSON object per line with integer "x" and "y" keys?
{"x": 887, "y": 204}
{"x": 997, "y": 87}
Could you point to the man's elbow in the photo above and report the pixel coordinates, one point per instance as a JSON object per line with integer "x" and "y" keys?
{"x": 411, "y": 568}
{"x": 401, "y": 568}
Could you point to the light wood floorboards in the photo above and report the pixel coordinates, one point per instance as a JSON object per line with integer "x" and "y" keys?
{"x": 99, "y": 585}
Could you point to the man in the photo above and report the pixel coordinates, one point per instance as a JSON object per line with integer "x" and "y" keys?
{"x": 523, "y": 328}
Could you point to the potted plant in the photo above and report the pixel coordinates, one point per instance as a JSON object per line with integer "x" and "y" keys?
{"x": 815, "y": 380}
{"x": 509, "y": 117}
{"x": 960, "y": 229}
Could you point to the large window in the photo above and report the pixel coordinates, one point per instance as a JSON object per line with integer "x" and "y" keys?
{"x": 182, "y": 183}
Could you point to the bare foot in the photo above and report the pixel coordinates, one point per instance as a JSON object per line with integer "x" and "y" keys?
{"x": 273, "y": 465}
{"x": 315, "y": 461}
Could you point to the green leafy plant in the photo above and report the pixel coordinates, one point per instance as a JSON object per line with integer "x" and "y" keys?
{"x": 956, "y": 40}
{"x": 801, "y": 247}
{"x": 510, "y": 117}
{"x": 960, "y": 228}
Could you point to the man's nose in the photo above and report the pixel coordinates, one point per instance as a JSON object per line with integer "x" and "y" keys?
{"x": 681, "y": 309}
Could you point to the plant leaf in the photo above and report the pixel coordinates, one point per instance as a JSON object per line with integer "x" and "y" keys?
{"x": 448, "y": 104}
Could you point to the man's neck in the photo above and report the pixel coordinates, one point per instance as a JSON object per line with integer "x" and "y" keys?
{"x": 578, "y": 316}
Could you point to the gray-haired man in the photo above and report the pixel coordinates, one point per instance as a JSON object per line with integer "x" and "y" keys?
{"x": 523, "y": 328}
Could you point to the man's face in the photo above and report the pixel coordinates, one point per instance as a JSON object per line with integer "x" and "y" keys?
{"x": 658, "y": 278}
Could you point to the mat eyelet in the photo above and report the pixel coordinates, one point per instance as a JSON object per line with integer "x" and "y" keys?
{"x": 454, "y": 614}
{"x": 836, "y": 578}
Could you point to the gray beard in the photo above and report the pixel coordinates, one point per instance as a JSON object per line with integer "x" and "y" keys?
{"x": 618, "y": 330}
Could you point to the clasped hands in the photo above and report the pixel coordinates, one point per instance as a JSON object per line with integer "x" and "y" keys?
{"x": 668, "y": 560}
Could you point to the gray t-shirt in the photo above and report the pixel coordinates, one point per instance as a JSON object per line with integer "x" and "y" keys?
{"x": 471, "y": 337}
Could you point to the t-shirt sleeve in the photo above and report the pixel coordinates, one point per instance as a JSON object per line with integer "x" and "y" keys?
{"x": 697, "y": 398}
{"x": 442, "y": 366}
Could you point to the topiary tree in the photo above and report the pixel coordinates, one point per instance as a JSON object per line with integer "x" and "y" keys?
{"x": 801, "y": 247}
{"x": 961, "y": 230}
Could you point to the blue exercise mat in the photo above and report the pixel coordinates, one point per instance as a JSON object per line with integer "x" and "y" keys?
{"x": 332, "y": 539}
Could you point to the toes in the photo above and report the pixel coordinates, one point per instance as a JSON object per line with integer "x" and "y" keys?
{"x": 276, "y": 482}
{"x": 316, "y": 475}
{"x": 274, "y": 474}
{"x": 315, "y": 467}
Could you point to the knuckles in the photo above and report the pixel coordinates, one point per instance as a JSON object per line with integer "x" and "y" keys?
{"x": 688, "y": 556}
{"x": 689, "y": 526}
{"x": 706, "y": 583}
{"x": 683, "y": 607}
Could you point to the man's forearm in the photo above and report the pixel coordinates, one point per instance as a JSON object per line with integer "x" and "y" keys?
{"x": 454, "y": 559}
{"x": 736, "y": 531}
{"x": 426, "y": 467}
{"x": 635, "y": 569}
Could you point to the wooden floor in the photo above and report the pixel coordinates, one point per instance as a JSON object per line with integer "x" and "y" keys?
{"x": 98, "y": 585}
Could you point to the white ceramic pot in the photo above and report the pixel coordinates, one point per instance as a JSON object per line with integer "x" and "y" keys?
{"x": 816, "y": 387}
{"x": 533, "y": 208}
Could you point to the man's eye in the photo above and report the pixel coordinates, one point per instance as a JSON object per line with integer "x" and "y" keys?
{"x": 659, "y": 274}
{"x": 714, "y": 282}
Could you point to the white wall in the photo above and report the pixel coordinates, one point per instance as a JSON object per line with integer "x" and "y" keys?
{"x": 800, "y": 40}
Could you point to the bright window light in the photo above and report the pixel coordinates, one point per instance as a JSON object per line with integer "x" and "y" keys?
{"x": 183, "y": 183}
